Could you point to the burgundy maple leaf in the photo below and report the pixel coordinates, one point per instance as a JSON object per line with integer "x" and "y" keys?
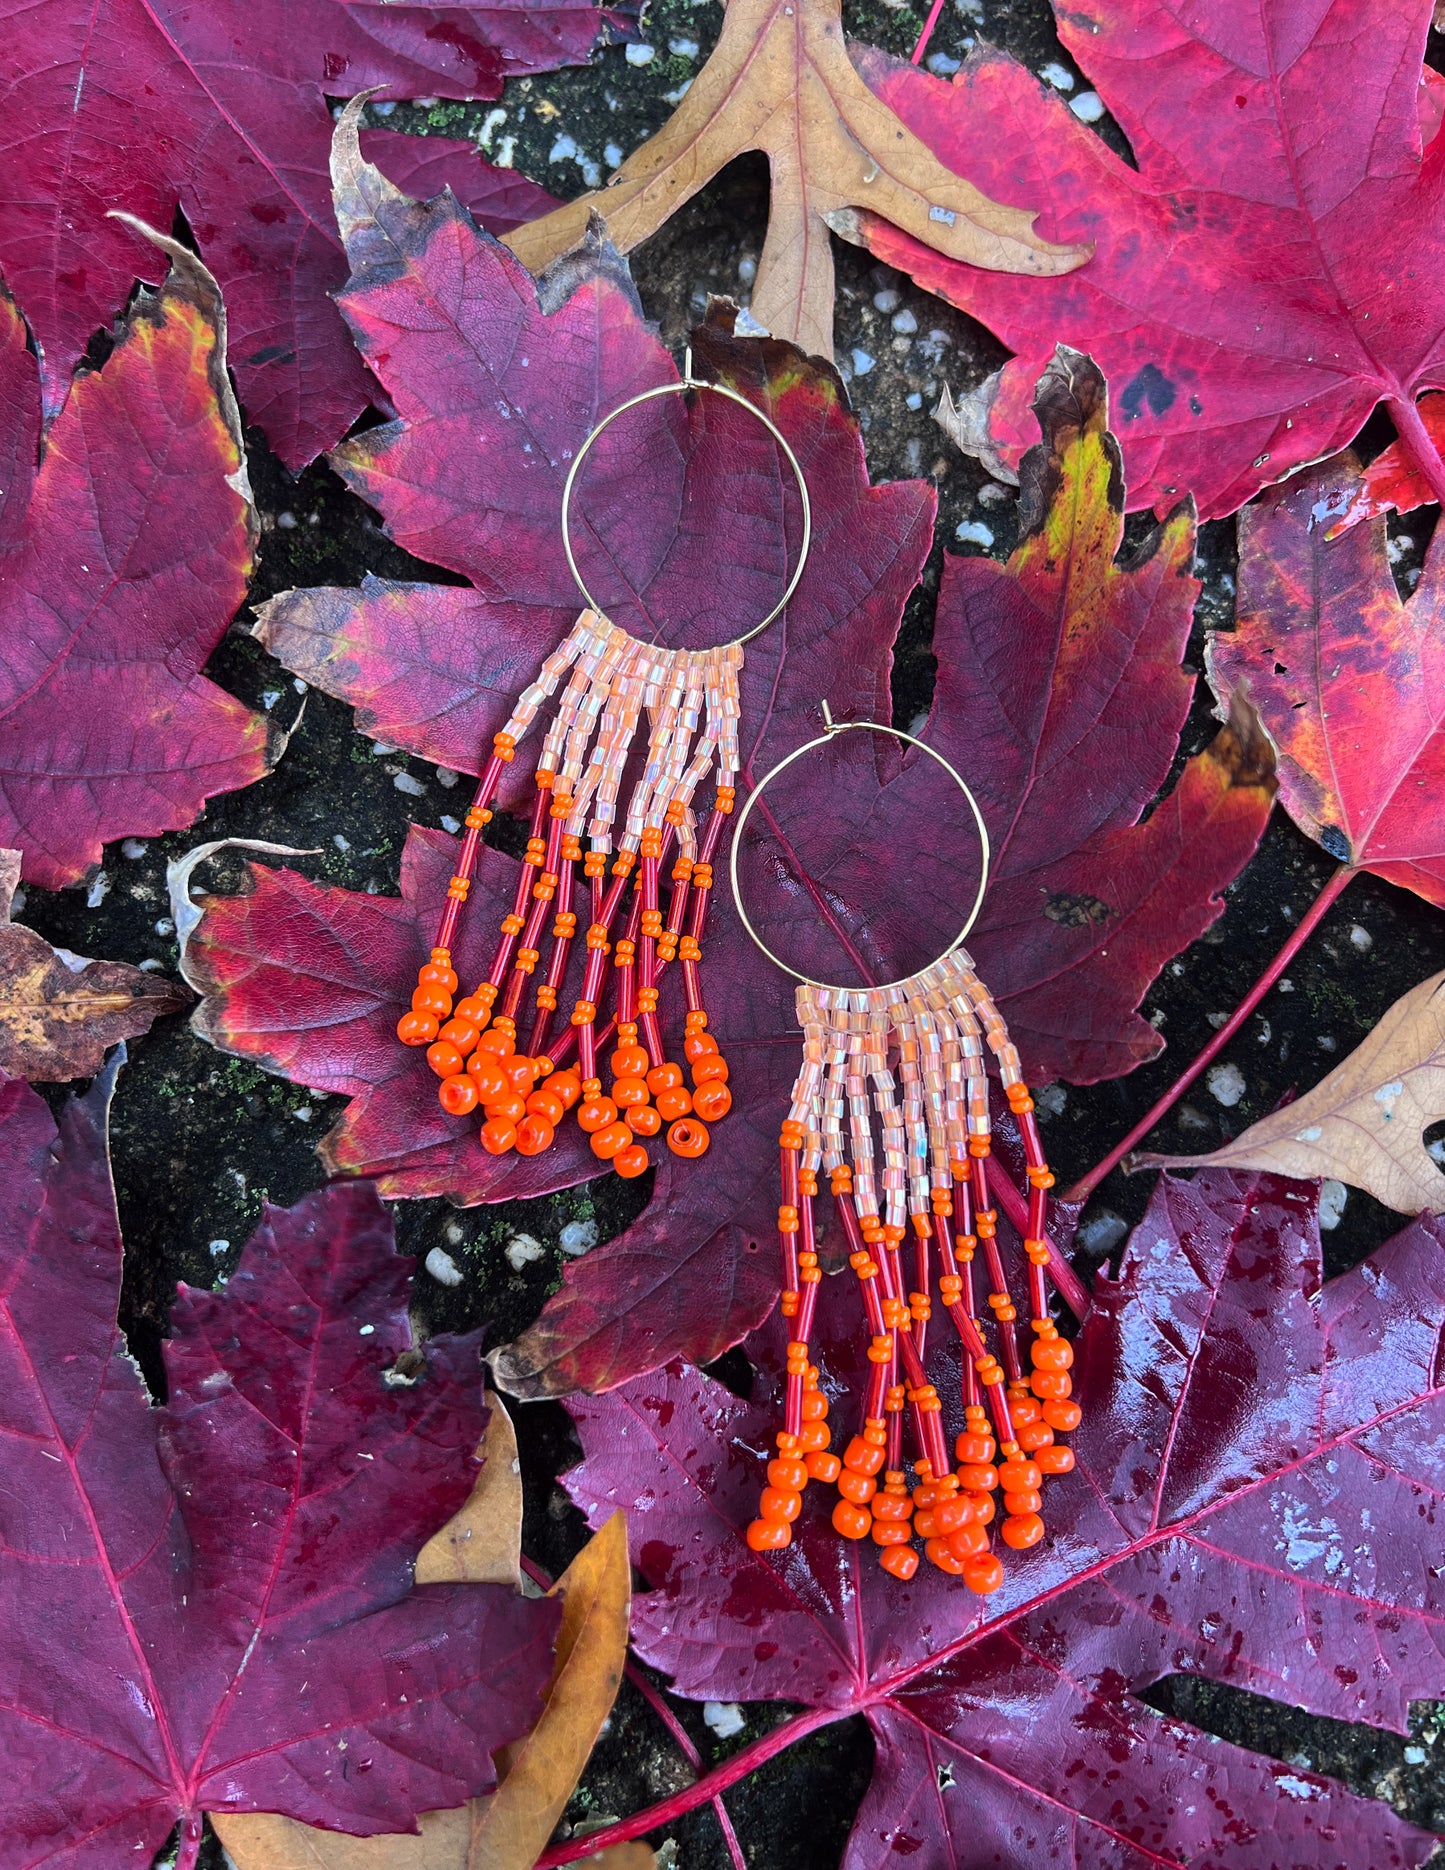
{"x": 220, "y": 109}
{"x": 209, "y": 1605}
{"x": 124, "y": 557}
{"x": 1064, "y": 721}
{"x": 1260, "y": 281}
{"x": 1257, "y": 1464}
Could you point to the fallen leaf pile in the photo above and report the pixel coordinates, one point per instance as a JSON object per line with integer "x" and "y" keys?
{"x": 1086, "y": 907}
{"x": 1259, "y": 282}
{"x": 780, "y": 80}
{"x": 209, "y": 1604}
{"x": 220, "y": 109}
{"x": 124, "y": 557}
{"x": 1256, "y": 1454}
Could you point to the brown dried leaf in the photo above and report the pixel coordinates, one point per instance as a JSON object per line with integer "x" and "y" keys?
{"x": 59, "y": 1013}
{"x": 780, "y": 80}
{"x": 481, "y": 1544}
{"x": 1364, "y": 1123}
{"x": 511, "y": 1829}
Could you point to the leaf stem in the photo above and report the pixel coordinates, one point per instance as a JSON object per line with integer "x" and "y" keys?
{"x": 1305, "y": 927}
{"x": 927, "y": 33}
{"x": 190, "y": 1842}
{"x": 746, "y": 1761}
{"x": 681, "y": 1737}
{"x": 1415, "y": 439}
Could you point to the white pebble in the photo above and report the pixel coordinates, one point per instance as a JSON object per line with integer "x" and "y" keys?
{"x": 380, "y": 748}
{"x": 286, "y": 521}
{"x": 578, "y": 1237}
{"x": 218, "y": 1247}
{"x": 96, "y": 894}
{"x": 1103, "y": 1232}
{"x": 942, "y": 66}
{"x": 383, "y": 107}
{"x": 443, "y": 1268}
{"x": 640, "y": 54}
{"x": 1326, "y": 1043}
{"x": 1051, "y": 1099}
{"x": 904, "y": 323}
{"x": 913, "y": 400}
{"x": 862, "y": 362}
{"x": 522, "y": 1249}
{"x": 1435, "y": 1151}
{"x": 446, "y": 777}
{"x": 747, "y": 271}
{"x": 1088, "y": 106}
{"x": 887, "y": 300}
{"x": 1414, "y": 1756}
{"x": 612, "y": 155}
{"x": 1333, "y": 1196}
{"x": 453, "y": 825}
{"x": 412, "y": 787}
{"x": 683, "y": 48}
{"x": 1361, "y": 939}
{"x": 269, "y": 698}
{"x": 300, "y": 686}
{"x": 302, "y": 1113}
{"x": 341, "y": 843}
{"x": 993, "y": 495}
{"x": 132, "y": 848}
{"x": 725, "y": 1718}
{"x": 165, "y": 926}
{"x": 1285, "y": 986}
{"x": 1058, "y": 76}
{"x": 973, "y": 532}
{"x": 1226, "y": 1085}
{"x": 563, "y": 150}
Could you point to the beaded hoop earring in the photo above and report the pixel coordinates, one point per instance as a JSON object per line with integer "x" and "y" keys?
{"x": 690, "y": 699}
{"x": 930, "y": 1028}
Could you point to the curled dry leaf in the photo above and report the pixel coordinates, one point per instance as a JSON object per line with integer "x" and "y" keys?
{"x": 780, "y": 80}
{"x": 1264, "y": 276}
{"x": 209, "y": 1604}
{"x": 1348, "y": 680}
{"x": 538, "y": 1773}
{"x": 59, "y": 1013}
{"x": 126, "y": 560}
{"x": 1364, "y": 1124}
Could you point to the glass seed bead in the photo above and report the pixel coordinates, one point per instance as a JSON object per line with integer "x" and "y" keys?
{"x": 461, "y": 1033}
{"x": 939, "y": 1552}
{"x": 458, "y": 1095}
{"x": 596, "y": 1113}
{"x": 488, "y": 1076}
{"x": 787, "y": 1473}
{"x": 769, "y": 1535}
{"x": 546, "y": 1104}
{"x": 643, "y": 1120}
{"x": 1021, "y": 1530}
{"x": 983, "y": 1574}
{"x": 1056, "y": 1460}
{"x": 851, "y": 1520}
{"x": 780, "y": 1503}
{"x": 824, "y": 1467}
{"x": 445, "y": 1060}
{"x": 967, "y": 1542}
{"x": 498, "y": 1136}
{"x": 611, "y": 1138}
{"x": 566, "y": 1085}
{"x": 508, "y": 1106}
{"x": 674, "y": 1102}
{"x": 712, "y": 1101}
{"x": 900, "y": 1561}
{"x": 859, "y": 1488}
{"x": 631, "y": 1161}
{"x": 534, "y": 1134}
{"x": 687, "y": 1138}
{"x": 713, "y": 1068}
{"x": 416, "y": 1028}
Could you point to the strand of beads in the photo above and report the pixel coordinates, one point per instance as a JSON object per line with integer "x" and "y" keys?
{"x": 690, "y": 701}
{"x": 935, "y": 1170}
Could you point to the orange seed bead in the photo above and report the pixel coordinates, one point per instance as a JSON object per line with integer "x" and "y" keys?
{"x": 534, "y": 1134}
{"x": 859, "y": 1488}
{"x": 488, "y": 1076}
{"x": 709, "y": 1070}
{"x": 609, "y": 1139}
{"x": 643, "y": 1120}
{"x": 939, "y": 1552}
{"x": 628, "y": 1091}
{"x": 663, "y": 1078}
{"x": 1021, "y": 1530}
{"x": 630, "y": 1061}
{"x": 674, "y": 1103}
{"x": 596, "y": 1113}
{"x": 498, "y": 1136}
{"x": 780, "y": 1503}
{"x": 1062, "y": 1416}
{"x": 769, "y": 1535}
{"x": 566, "y": 1085}
{"x": 698, "y": 1045}
{"x": 712, "y": 1101}
{"x": 900, "y": 1561}
{"x": 631, "y": 1161}
{"x": 458, "y": 1095}
{"x": 445, "y": 1060}
{"x": 983, "y": 1574}
{"x": 1055, "y": 1460}
{"x": 687, "y": 1138}
{"x": 787, "y": 1473}
{"x": 546, "y": 1104}
{"x": 824, "y": 1467}
{"x": 851, "y": 1521}
{"x": 416, "y": 1028}
{"x": 967, "y": 1541}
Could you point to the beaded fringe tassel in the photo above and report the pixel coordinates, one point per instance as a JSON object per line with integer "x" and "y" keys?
{"x": 690, "y": 700}
{"x": 934, "y": 1177}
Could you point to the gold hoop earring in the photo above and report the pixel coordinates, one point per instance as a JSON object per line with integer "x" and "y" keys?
{"x": 926, "y": 1033}
{"x": 691, "y": 702}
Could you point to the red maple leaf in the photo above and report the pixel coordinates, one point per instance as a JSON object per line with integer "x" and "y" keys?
{"x": 209, "y": 1605}
{"x": 1256, "y": 1465}
{"x": 220, "y": 109}
{"x": 124, "y": 558}
{"x": 1392, "y": 482}
{"x": 1348, "y": 680}
{"x": 1264, "y": 277}
{"x": 310, "y": 981}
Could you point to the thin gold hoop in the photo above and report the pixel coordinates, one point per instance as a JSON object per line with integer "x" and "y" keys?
{"x": 689, "y": 382}
{"x": 832, "y": 728}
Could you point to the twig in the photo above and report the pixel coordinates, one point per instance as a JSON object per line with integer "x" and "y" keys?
{"x": 658, "y": 1703}
{"x": 1085, "y": 1187}
{"x": 748, "y": 1760}
{"x": 1417, "y": 443}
